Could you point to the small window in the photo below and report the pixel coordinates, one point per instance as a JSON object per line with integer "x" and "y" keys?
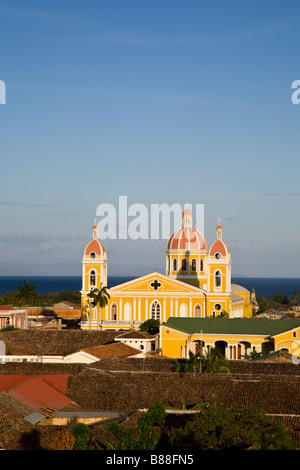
{"x": 93, "y": 254}
{"x": 217, "y": 307}
{"x": 183, "y": 265}
{"x": 218, "y": 255}
{"x": 201, "y": 265}
{"x": 92, "y": 278}
{"x": 174, "y": 264}
{"x": 294, "y": 334}
{"x": 194, "y": 265}
{"x": 218, "y": 279}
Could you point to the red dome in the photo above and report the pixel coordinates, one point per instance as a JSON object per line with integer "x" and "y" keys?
{"x": 95, "y": 246}
{"x": 219, "y": 247}
{"x": 187, "y": 238}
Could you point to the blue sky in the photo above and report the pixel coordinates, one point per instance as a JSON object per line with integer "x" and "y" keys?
{"x": 161, "y": 101}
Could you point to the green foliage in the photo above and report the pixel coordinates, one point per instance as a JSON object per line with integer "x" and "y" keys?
{"x": 9, "y": 328}
{"x": 81, "y": 433}
{"x": 276, "y": 301}
{"x": 147, "y": 434}
{"x": 42, "y": 300}
{"x": 212, "y": 362}
{"x": 27, "y": 294}
{"x": 215, "y": 362}
{"x": 231, "y": 429}
{"x": 151, "y": 326}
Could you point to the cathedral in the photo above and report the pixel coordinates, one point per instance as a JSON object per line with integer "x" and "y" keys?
{"x": 196, "y": 284}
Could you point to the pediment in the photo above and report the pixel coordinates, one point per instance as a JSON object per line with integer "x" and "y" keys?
{"x": 156, "y": 283}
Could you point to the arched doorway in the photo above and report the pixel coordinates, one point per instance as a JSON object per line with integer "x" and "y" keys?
{"x": 222, "y": 347}
{"x": 243, "y": 347}
{"x": 267, "y": 347}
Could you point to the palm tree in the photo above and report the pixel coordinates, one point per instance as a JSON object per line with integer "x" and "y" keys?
{"x": 26, "y": 296}
{"x": 215, "y": 362}
{"x": 100, "y": 298}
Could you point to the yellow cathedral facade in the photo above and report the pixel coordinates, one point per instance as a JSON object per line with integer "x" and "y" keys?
{"x": 196, "y": 284}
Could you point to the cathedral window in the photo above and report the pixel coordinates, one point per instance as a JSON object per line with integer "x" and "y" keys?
{"x": 201, "y": 265}
{"x": 174, "y": 264}
{"x": 155, "y": 310}
{"x": 218, "y": 255}
{"x": 114, "y": 312}
{"x": 183, "y": 265}
{"x": 218, "y": 279}
{"x": 93, "y": 254}
{"x": 217, "y": 307}
{"x": 194, "y": 265}
{"x": 197, "y": 311}
{"x": 92, "y": 278}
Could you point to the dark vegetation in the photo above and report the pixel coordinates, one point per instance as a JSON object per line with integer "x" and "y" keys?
{"x": 276, "y": 302}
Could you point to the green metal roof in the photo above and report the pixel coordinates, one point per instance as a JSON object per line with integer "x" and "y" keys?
{"x": 233, "y": 326}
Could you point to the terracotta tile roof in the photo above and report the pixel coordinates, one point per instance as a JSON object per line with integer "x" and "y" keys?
{"x": 135, "y": 335}
{"x": 36, "y": 393}
{"x": 112, "y": 350}
{"x": 54, "y": 342}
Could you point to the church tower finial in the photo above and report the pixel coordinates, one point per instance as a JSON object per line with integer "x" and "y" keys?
{"x": 95, "y": 231}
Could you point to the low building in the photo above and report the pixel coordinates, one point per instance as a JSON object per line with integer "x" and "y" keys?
{"x": 273, "y": 314}
{"x": 96, "y": 353}
{"x": 12, "y": 317}
{"x": 140, "y": 340}
{"x": 236, "y": 338}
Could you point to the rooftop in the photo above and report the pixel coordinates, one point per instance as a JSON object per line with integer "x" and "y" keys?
{"x": 232, "y": 326}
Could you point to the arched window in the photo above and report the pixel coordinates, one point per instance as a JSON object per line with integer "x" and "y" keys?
{"x": 114, "y": 312}
{"x": 194, "y": 265}
{"x": 201, "y": 265}
{"x": 155, "y": 310}
{"x": 127, "y": 312}
{"x": 218, "y": 279}
{"x": 183, "y": 264}
{"x": 183, "y": 311}
{"x": 92, "y": 278}
{"x": 174, "y": 264}
{"x": 197, "y": 311}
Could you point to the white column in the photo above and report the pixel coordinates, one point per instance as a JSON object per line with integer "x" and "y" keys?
{"x": 120, "y": 310}
{"x": 191, "y": 312}
{"x": 134, "y": 308}
{"x": 171, "y": 307}
{"x": 146, "y": 308}
{"x": 176, "y": 307}
{"x": 139, "y": 309}
{"x": 164, "y": 309}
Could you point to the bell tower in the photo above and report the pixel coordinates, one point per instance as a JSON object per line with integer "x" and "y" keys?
{"x": 94, "y": 274}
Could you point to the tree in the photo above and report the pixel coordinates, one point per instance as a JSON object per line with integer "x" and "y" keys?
{"x": 81, "y": 433}
{"x": 100, "y": 298}
{"x": 147, "y": 434}
{"x": 26, "y": 296}
{"x": 151, "y": 326}
{"x": 294, "y": 298}
{"x": 214, "y": 361}
{"x": 62, "y": 440}
{"x": 230, "y": 429}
